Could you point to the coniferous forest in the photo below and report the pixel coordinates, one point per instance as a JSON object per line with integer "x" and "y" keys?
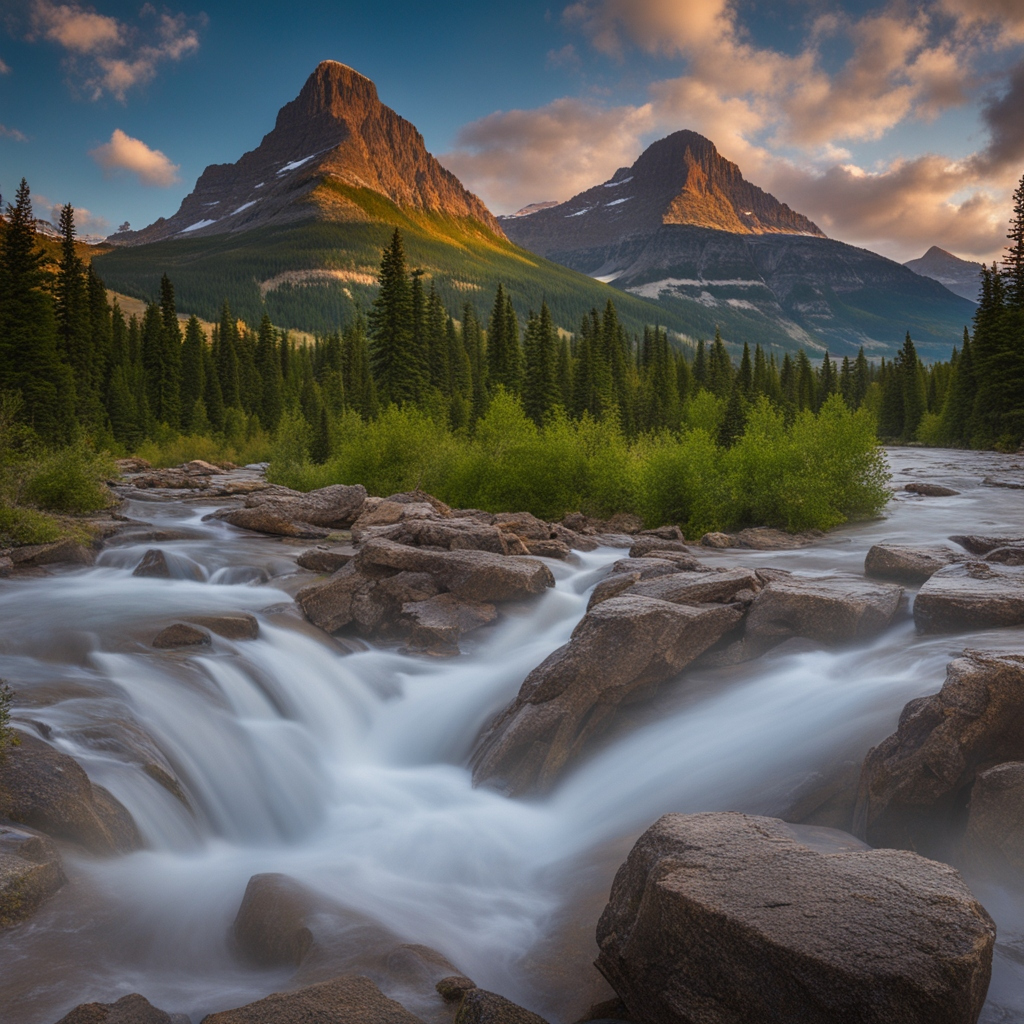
{"x": 475, "y": 403}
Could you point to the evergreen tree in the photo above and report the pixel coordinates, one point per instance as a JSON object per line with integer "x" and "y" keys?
{"x": 700, "y": 366}
{"x": 720, "y": 373}
{"x": 74, "y": 322}
{"x": 908, "y": 369}
{"x": 192, "y": 373}
{"x": 225, "y": 355}
{"x": 437, "y": 343}
{"x": 540, "y": 382}
{"x": 268, "y": 366}
{"x": 861, "y": 379}
{"x": 397, "y": 374}
{"x": 320, "y": 442}
{"x": 360, "y": 391}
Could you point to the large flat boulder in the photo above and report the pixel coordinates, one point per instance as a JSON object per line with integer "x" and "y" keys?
{"x": 907, "y": 563}
{"x": 619, "y": 651}
{"x": 690, "y": 587}
{"x": 915, "y": 785}
{"x": 436, "y": 625}
{"x": 973, "y": 595}
{"x": 349, "y": 999}
{"x": 30, "y": 872}
{"x": 313, "y": 514}
{"x": 48, "y": 790}
{"x": 733, "y": 919}
{"x": 448, "y": 534}
{"x": 834, "y": 610}
{"x": 473, "y": 575}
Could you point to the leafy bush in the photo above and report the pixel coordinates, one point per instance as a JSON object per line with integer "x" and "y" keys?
{"x": 70, "y": 479}
{"x": 26, "y": 526}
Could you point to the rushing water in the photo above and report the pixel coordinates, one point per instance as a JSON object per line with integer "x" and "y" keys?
{"x": 347, "y": 771}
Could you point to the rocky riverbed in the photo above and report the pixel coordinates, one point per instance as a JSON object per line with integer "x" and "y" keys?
{"x": 386, "y": 758}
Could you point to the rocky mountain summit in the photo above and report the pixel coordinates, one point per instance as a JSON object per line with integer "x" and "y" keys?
{"x": 962, "y": 277}
{"x": 336, "y": 132}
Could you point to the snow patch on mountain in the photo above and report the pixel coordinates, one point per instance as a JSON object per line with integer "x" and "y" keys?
{"x": 198, "y": 224}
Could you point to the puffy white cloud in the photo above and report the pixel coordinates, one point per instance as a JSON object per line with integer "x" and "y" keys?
{"x": 123, "y": 153}
{"x": 515, "y": 157}
{"x": 108, "y": 56}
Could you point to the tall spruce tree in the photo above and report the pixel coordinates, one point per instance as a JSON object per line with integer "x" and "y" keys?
{"x": 396, "y": 370}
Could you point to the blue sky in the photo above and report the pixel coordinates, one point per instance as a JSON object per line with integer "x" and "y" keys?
{"x": 895, "y": 125}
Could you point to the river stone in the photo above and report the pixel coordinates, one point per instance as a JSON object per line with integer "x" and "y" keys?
{"x": 692, "y": 587}
{"x": 236, "y": 626}
{"x": 734, "y": 919}
{"x": 448, "y": 534}
{"x": 831, "y": 611}
{"x": 349, "y": 999}
{"x": 325, "y": 560}
{"x": 453, "y": 987}
{"x": 767, "y": 538}
{"x": 133, "y": 1009}
{"x": 643, "y": 546}
{"x": 313, "y": 514}
{"x": 914, "y": 786}
{"x": 930, "y": 490}
{"x": 978, "y": 545}
{"x": 994, "y": 841}
{"x": 481, "y": 1007}
{"x": 618, "y": 652}
{"x": 153, "y": 563}
{"x": 1010, "y": 554}
{"x": 59, "y": 552}
{"x": 270, "y": 928}
{"x": 547, "y": 548}
{"x": 473, "y": 575}
{"x": 716, "y": 539}
{"x": 437, "y": 624}
{"x": 180, "y": 634}
{"x": 30, "y": 871}
{"x": 47, "y": 790}
{"x": 908, "y": 563}
{"x": 971, "y": 595}
{"x": 525, "y": 525}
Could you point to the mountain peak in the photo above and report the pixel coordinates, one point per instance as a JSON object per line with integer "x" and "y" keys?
{"x": 331, "y": 148}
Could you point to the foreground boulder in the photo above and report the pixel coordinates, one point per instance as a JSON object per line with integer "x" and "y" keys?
{"x": 57, "y": 553}
{"x": 479, "y": 1006}
{"x": 133, "y": 1009}
{"x": 732, "y": 919}
{"x": 313, "y": 514}
{"x": 270, "y": 928}
{"x": 49, "y": 791}
{"x": 994, "y": 841}
{"x": 830, "y": 611}
{"x": 908, "y": 563}
{"x": 349, "y": 999}
{"x": 618, "y": 652}
{"x": 974, "y": 595}
{"x": 30, "y": 871}
{"x": 915, "y": 785}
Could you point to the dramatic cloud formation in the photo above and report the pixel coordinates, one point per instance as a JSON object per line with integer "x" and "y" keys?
{"x": 790, "y": 119}
{"x": 12, "y": 133}
{"x": 123, "y": 153}
{"x": 107, "y": 56}
{"x": 516, "y": 156}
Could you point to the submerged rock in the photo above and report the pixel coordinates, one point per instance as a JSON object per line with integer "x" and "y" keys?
{"x": 994, "y": 841}
{"x": 349, "y": 999}
{"x": 930, "y": 490}
{"x": 236, "y": 626}
{"x": 1010, "y": 554}
{"x": 907, "y": 563}
{"x": 270, "y": 928}
{"x": 180, "y": 634}
{"x": 133, "y": 1009}
{"x": 734, "y": 919}
{"x": 915, "y": 785}
{"x": 619, "y": 651}
{"x": 972, "y": 595}
{"x": 30, "y": 872}
{"x": 48, "y": 790}
{"x": 153, "y": 563}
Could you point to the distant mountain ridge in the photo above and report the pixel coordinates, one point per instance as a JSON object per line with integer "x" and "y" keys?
{"x": 686, "y": 230}
{"x": 962, "y": 277}
{"x": 336, "y": 130}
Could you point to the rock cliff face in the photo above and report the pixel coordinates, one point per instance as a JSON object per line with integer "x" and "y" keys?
{"x": 335, "y": 133}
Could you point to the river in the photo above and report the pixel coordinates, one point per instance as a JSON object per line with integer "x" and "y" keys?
{"x": 348, "y": 771}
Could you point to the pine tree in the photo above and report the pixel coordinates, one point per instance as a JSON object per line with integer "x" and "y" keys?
{"x": 225, "y": 355}
{"x": 268, "y": 366}
{"x": 720, "y": 373}
{"x": 360, "y": 391}
{"x": 437, "y": 343}
{"x": 960, "y": 395}
{"x": 320, "y": 442}
{"x": 396, "y": 372}
{"x": 540, "y": 383}
{"x": 908, "y": 368}
{"x": 74, "y": 321}
{"x": 192, "y": 372}
{"x": 700, "y": 366}
{"x": 861, "y": 379}
{"x": 1013, "y": 264}
{"x": 473, "y": 343}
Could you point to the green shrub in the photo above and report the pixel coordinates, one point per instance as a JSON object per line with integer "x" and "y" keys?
{"x": 8, "y": 737}
{"x": 70, "y": 479}
{"x": 26, "y": 526}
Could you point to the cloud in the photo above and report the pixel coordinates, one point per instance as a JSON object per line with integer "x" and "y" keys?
{"x": 12, "y": 133}
{"x": 517, "y": 157}
{"x": 5, "y": 68}
{"x": 123, "y": 153}
{"x": 109, "y": 57}
{"x": 86, "y": 222}
{"x": 1005, "y": 17}
{"x": 1004, "y": 117}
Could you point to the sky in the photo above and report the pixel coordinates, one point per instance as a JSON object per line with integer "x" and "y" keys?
{"x": 895, "y": 125}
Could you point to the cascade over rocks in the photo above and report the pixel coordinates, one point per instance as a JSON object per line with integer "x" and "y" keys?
{"x": 907, "y": 563}
{"x": 971, "y": 595}
{"x": 730, "y": 919}
{"x": 48, "y": 790}
{"x": 620, "y": 650}
{"x": 915, "y": 785}
{"x": 30, "y": 871}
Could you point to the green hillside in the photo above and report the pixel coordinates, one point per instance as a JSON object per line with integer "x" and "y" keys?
{"x": 463, "y": 258}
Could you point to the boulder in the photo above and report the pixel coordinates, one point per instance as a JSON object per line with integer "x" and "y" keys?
{"x": 907, "y": 563}
{"x": 978, "y": 545}
{"x": 547, "y": 548}
{"x": 619, "y": 651}
{"x": 180, "y": 634}
{"x": 270, "y": 928}
{"x": 1012, "y": 485}
{"x": 994, "y": 840}
{"x": 524, "y": 525}
{"x": 691, "y": 587}
{"x": 915, "y": 785}
{"x": 384, "y": 512}
{"x": 614, "y": 585}
{"x": 453, "y": 987}
{"x": 236, "y": 626}
{"x": 971, "y": 595}
{"x": 197, "y": 467}
{"x": 47, "y": 790}
{"x": 1010, "y": 554}
{"x": 716, "y": 539}
{"x": 766, "y": 538}
{"x": 733, "y": 919}
{"x": 473, "y": 575}
{"x": 349, "y": 999}
{"x": 57, "y": 553}
{"x": 481, "y": 1007}
{"x": 313, "y": 514}
{"x": 153, "y": 563}
{"x": 30, "y": 871}
{"x": 326, "y": 560}
{"x": 835, "y": 610}
{"x": 447, "y": 534}
{"x": 437, "y": 624}
{"x": 643, "y": 546}
{"x": 133, "y": 1009}
{"x": 930, "y": 490}
{"x": 658, "y": 563}
{"x": 133, "y": 464}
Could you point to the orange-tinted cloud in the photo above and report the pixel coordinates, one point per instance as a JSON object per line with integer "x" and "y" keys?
{"x": 123, "y": 153}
